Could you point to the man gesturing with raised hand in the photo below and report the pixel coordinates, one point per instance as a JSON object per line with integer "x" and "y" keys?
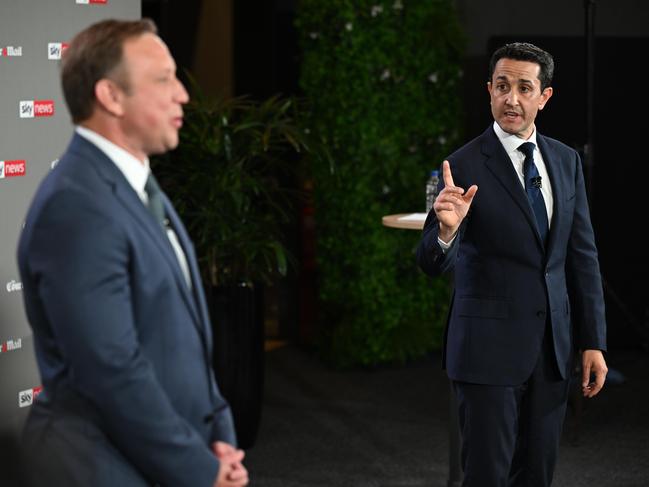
{"x": 451, "y": 205}
{"x": 527, "y": 290}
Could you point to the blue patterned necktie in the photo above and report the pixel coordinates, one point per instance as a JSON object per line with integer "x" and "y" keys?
{"x": 533, "y": 189}
{"x": 155, "y": 205}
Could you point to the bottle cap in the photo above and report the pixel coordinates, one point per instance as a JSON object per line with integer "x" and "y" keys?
{"x": 434, "y": 172}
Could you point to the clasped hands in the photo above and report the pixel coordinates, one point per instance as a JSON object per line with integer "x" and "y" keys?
{"x": 232, "y": 473}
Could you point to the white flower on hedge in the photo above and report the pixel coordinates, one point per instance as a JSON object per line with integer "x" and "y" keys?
{"x": 441, "y": 139}
{"x": 314, "y": 35}
{"x": 386, "y": 189}
{"x": 412, "y": 149}
{"x": 397, "y": 5}
{"x": 433, "y": 78}
{"x": 376, "y": 9}
{"x": 349, "y": 26}
{"x": 385, "y": 74}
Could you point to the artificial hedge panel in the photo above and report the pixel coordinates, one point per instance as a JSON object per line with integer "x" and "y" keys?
{"x": 382, "y": 78}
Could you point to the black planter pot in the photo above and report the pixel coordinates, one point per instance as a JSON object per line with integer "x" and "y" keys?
{"x": 238, "y": 329}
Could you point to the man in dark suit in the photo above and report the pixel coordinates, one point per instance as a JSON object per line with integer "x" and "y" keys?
{"x": 112, "y": 290}
{"x": 513, "y": 223}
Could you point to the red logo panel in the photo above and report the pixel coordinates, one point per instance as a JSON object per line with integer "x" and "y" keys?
{"x": 11, "y": 169}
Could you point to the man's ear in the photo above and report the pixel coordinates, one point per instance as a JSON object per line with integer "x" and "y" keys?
{"x": 109, "y": 97}
{"x": 545, "y": 96}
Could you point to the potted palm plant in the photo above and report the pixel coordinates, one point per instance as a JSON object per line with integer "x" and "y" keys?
{"x": 232, "y": 179}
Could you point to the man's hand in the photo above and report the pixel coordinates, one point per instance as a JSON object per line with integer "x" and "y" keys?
{"x": 452, "y": 204}
{"x": 232, "y": 473}
{"x": 592, "y": 361}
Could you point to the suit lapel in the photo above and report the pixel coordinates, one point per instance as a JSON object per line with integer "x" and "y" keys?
{"x": 195, "y": 276}
{"x": 498, "y": 162}
{"x": 131, "y": 202}
{"x": 134, "y": 206}
{"x": 198, "y": 302}
{"x": 552, "y": 161}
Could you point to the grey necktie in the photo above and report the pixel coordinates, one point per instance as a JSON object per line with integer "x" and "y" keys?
{"x": 155, "y": 205}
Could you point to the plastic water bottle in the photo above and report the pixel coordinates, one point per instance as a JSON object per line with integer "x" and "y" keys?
{"x": 431, "y": 189}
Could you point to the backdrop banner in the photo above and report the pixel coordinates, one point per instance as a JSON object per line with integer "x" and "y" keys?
{"x": 34, "y": 130}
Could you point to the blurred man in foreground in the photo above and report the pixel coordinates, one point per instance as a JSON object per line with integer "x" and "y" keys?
{"x": 112, "y": 290}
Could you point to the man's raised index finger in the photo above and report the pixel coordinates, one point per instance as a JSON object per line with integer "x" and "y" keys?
{"x": 446, "y": 172}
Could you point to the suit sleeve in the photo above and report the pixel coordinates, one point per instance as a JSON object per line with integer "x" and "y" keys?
{"x": 79, "y": 259}
{"x": 583, "y": 273}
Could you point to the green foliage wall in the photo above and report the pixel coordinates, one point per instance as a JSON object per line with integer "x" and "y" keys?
{"x": 383, "y": 79}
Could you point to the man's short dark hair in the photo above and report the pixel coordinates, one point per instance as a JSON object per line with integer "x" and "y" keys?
{"x": 523, "y": 51}
{"x": 93, "y": 54}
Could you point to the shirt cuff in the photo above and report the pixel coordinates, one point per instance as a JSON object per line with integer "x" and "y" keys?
{"x": 444, "y": 245}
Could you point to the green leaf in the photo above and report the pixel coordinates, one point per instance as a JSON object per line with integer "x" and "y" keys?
{"x": 231, "y": 181}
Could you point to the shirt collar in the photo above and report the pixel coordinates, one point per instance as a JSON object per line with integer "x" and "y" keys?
{"x": 512, "y": 142}
{"x": 135, "y": 172}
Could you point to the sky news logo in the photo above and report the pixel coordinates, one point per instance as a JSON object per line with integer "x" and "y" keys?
{"x": 55, "y": 50}
{"x": 11, "y": 51}
{"x": 12, "y": 169}
{"x": 26, "y": 398}
{"x": 36, "y": 108}
{"x": 87, "y": 2}
{"x": 11, "y": 345}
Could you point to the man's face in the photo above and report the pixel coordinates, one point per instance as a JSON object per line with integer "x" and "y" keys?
{"x": 152, "y": 107}
{"x": 516, "y": 96}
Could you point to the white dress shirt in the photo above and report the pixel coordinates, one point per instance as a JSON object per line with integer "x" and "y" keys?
{"x": 136, "y": 173}
{"x": 511, "y": 143}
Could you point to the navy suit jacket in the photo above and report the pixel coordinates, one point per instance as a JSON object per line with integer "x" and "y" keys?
{"x": 123, "y": 344}
{"x": 506, "y": 284}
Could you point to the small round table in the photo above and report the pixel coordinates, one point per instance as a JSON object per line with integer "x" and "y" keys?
{"x": 415, "y": 221}
{"x": 409, "y": 221}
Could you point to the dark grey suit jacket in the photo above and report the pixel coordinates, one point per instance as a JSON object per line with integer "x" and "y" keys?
{"x": 123, "y": 345}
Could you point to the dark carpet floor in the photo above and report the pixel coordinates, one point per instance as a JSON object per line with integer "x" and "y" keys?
{"x": 388, "y": 427}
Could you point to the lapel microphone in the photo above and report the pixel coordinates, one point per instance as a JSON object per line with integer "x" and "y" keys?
{"x": 536, "y": 182}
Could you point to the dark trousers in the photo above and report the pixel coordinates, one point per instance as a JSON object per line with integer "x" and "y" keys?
{"x": 510, "y": 434}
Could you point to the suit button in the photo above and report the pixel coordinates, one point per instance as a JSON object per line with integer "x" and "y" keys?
{"x": 540, "y": 314}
